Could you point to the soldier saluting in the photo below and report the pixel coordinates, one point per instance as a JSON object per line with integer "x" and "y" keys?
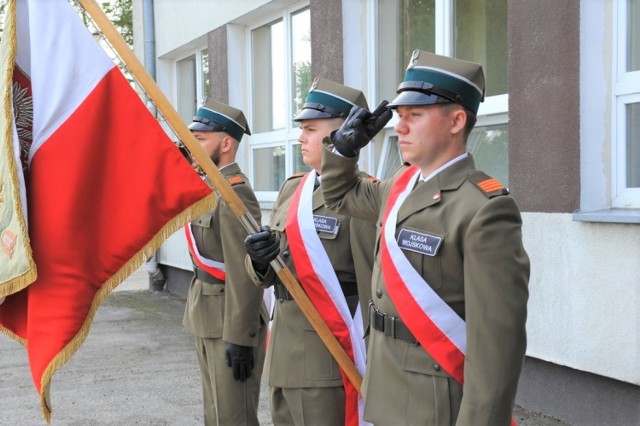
{"x": 451, "y": 274}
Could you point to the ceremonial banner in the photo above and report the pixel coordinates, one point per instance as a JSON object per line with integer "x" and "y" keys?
{"x": 104, "y": 184}
{"x": 17, "y": 269}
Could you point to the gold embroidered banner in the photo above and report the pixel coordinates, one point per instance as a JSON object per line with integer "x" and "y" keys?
{"x": 17, "y": 268}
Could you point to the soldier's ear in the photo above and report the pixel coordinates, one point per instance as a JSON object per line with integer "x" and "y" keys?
{"x": 458, "y": 119}
{"x": 228, "y": 143}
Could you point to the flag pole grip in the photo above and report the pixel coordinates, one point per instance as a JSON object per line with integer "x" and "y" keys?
{"x": 222, "y": 187}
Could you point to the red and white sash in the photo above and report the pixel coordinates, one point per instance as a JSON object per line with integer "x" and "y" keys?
{"x": 210, "y": 266}
{"x": 319, "y": 281}
{"x": 440, "y": 331}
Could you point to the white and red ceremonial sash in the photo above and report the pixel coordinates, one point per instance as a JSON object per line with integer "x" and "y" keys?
{"x": 212, "y": 267}
{"x": 105, "y": 185}
{"x": 440, "y": 331}
{"x": 320, "y": 283}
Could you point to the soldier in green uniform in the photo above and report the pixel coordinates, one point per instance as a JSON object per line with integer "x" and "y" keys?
{"x": 322, "y": 249}
{"x": 450, "y": 279}
{"x": 224, "y": 309}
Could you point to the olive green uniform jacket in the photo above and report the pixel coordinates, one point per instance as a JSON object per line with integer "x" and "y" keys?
{"x": 296, "y": 356}
{"x": 231, "y": 311}
{"x": 481, "y": 271}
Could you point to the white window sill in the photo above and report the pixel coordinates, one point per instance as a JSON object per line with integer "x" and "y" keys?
{"x": 608, "y": 215}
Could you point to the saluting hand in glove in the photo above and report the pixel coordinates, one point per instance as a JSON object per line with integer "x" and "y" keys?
{"x": 359, "y": 128}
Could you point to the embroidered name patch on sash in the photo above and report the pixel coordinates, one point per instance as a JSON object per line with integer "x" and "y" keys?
{"x": 418, "y": 242}
{"x": 326, "y": 224}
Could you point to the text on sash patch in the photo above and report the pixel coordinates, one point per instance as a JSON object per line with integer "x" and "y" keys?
{"x": 326, "y": 224}
{"x": 418, "y": 242}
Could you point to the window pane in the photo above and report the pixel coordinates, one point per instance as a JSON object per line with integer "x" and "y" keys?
{"x": 205, "y": 73}
{"x": 187, "y": 101}
{"x": 298, "y": 163}
{"x": 268, "y": 168}
{"x": 481, "y": 36}
{"x": 633, "y": 35}
{"x": 301, "y": 60}
{"x": 417, "y": 31}
{"x": 633, "y": 145}
{"x": 393, "y": 159}
{"x": 269, "y": 78}
{"x": 403, "y": 26}
{"x": 489, "y": 146}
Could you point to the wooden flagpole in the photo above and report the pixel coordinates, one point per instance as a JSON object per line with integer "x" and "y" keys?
{"x": 220, "y": 184}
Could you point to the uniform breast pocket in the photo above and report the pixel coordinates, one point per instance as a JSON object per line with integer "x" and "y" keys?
{"x": 423, "y": 249}
{"x": 200, "y": 228}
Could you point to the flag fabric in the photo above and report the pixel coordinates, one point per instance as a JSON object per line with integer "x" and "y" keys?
{"x": 18, "y": 268}
{"x": 104, "y": 183}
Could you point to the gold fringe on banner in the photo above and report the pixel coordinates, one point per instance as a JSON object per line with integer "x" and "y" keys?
{"x": 132, "y": 265}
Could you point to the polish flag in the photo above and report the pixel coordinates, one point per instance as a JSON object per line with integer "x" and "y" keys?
{"x": 105, "y": 185}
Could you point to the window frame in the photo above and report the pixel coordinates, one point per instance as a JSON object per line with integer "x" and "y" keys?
{"x": 494, "y": 110}
{"x": 626, "y": 90}
{"x": 199, "y": 77}
{"x": 288, "y": 136}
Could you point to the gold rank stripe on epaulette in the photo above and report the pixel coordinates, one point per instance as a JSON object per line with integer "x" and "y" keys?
{"x": 491, "y": 187}
{"x": 234, "y": 180}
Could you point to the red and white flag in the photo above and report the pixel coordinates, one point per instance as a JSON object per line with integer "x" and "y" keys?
{"x": 104, "y": 183}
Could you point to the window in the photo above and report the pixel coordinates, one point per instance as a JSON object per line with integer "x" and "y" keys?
{"x": 473, "y": 30}
{"x": 281, "y": 77}
{"x": 204, "y": 69}
{"x": 488, "y": 143}
{"x": 626, "y": 138}
{"x": 192, "y": 83}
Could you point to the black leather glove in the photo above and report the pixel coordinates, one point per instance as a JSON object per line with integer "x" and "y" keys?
{"x": 359, "y": 128}
{"x": 240, "y": 359}
{"x": 262, "y": 247}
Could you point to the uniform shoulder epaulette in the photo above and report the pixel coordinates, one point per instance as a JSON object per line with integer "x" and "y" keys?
{"x": 491, "y": 187}
{"x": 296, "y": 175}
{"x": 235, "y": 180}
{"x": 366, "y": 176}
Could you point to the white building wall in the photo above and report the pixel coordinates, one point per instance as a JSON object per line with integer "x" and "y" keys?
{"x": 187, "y": 21}
{"x": 584, "y": 306}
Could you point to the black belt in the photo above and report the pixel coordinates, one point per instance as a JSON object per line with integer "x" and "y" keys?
{"x": 389, "y": 325}
{"x": 281, "y": 292}
{"x": 206, "y": 277}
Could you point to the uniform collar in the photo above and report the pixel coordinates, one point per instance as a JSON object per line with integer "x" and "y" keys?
{"x": 462, "y": 156}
